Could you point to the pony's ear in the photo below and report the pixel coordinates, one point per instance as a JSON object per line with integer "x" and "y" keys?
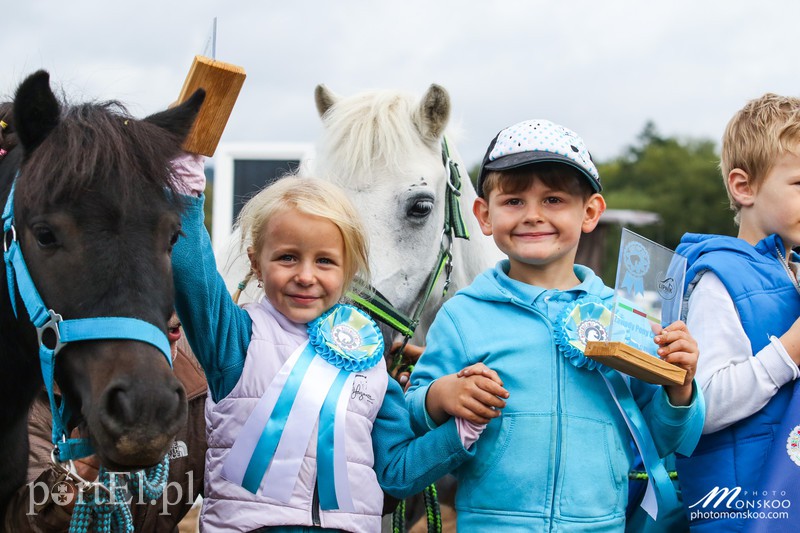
{"x": 36, "y": 110}
{"x": 433, "y": 112}
{"x": 179, "y": 119}
{"x": 324, "y": 99}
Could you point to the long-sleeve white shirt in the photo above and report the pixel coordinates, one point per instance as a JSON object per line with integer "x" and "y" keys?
{"x": 735, "y": 384}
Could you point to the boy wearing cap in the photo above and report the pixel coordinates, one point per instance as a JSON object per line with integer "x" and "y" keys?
{"x": 744, "y": 302}
{"x": 559, "y": 455}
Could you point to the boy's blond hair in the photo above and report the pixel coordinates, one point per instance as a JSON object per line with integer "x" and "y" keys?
{"x": 311, "y": 196}
{"x": 760, "y": 132}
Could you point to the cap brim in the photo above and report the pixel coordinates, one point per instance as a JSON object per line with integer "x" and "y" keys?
{"x": 508, "y": 162}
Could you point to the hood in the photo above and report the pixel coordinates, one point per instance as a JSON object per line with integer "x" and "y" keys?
{"x": 694, "y": 245}
{"x": 495, "y": 285}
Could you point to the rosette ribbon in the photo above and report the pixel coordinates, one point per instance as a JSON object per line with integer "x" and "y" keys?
{"x": 582, "y": 321}
{"x": 313, "y": 384}
{"x": 587, "y": 319}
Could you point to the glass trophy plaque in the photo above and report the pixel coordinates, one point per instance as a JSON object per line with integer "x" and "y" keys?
{"x": 647, "y": 296}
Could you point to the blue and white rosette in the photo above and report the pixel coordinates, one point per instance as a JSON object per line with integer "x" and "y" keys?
{"x": 314, "y": 383}
{"x": 347, "y": 338}
{"x": 582, "y": 321}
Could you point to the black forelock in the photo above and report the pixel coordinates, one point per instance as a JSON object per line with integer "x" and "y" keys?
{"x": 99, "y": 146}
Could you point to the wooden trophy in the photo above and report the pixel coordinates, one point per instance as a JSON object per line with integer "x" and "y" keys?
{"x": 222, "y": 83}
{"x": 648, "y": 294}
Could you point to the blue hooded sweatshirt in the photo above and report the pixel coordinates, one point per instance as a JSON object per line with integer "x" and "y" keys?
{"x": 559, "y": 455}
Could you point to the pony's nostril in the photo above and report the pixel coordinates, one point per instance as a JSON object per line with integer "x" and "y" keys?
{"x": 119, "y": 406}
{"x": 175, "y": 409}
{"x": 123, "y": 407}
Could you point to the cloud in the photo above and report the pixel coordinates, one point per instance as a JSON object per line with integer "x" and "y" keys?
{"x": 600, "y": 68}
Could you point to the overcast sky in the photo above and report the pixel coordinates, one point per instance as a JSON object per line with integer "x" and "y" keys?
{"x": 602, "y": 67}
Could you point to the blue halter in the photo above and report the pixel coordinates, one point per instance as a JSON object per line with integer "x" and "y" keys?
{"x": 54, "y": 332}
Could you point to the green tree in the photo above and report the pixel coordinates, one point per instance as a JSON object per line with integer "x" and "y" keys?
{"x": 677, "y": 178}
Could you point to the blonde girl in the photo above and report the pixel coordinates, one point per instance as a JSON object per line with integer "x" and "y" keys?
{"x": 304, "y": 426}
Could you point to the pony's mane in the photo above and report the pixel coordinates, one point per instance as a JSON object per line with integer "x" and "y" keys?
{"x": 100, "y": 145}
{"x": 370, "y": 130}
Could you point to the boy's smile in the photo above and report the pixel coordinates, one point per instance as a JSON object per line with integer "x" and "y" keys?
{"x": 539, "y": 229}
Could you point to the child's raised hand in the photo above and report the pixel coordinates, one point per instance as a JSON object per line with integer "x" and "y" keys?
{"x": 477, "y": 395}
{"x": 188, "y": 171}
{"x": 677, "y": 346}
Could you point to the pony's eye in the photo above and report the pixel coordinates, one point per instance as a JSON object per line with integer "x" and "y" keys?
{"x": 45, "y": 237}
{"x": 421, "y": 208}
{"x": 174, "y": 238}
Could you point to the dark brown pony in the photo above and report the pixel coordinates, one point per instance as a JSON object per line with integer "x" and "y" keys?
{"x": 96, "y": 219}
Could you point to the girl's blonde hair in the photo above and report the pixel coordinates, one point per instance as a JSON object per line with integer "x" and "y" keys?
{"x": 311, "y": 196}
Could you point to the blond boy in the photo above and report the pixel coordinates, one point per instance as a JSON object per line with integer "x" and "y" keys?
{"x": 744, "y": 300}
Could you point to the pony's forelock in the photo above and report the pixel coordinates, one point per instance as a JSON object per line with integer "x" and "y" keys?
{"x": 369, "y": 131}
{"x": 100, "y": 145}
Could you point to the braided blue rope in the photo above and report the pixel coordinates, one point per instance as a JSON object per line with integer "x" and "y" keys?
{"x": 101, "y": 512}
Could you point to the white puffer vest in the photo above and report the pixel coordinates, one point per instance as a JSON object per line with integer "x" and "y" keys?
{"x": 230, "y": 507}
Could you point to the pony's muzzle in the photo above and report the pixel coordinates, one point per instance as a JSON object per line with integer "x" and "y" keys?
{"x": 138, "y": 421}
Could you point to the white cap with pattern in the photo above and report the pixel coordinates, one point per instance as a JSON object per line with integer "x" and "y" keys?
{"x": 538, "y": 141}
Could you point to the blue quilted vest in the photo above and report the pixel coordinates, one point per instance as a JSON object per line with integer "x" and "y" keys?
{"x": 768, "y": 304}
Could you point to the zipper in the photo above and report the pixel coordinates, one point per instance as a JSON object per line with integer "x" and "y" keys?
{"x": 559, "y": 362}
{"x": 785, "y": 264}
{"x": 315, "y": 506}
{"x": 557, "y": 466}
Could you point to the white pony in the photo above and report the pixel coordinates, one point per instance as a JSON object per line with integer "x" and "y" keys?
{"x": 385, "y": 149}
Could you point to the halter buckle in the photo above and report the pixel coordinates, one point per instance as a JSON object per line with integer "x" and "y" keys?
{"x": 51, "y": 325}
{"x": 70, "y": 472}
{"x": 10, "y": 232}
{"x": 451, "y": 166}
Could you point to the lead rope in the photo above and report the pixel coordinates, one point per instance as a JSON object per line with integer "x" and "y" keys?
{"x": 432, "y": 510}
{"x": 399, "y": 518}
{"x": 433, "y": 513}
{"x": 105, "y": 509}
{"x": 381, "y": 309}
{"x": 454, "y": 227}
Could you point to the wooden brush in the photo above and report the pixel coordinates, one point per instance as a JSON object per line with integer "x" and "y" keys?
{"x": 222, "y": 83}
